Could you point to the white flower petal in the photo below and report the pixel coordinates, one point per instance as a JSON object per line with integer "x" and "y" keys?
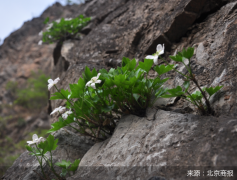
{"x": 98, "y": 75}
{"x": 56, "y": 80}
{"x": 150, "y": 57}
{"x": 159, "y": 48}
{"x": 98, "y": 81}
{"x": 50, "y": 81}
{"x": 93, "y": 85}
{"x": 30, "y": 142}
{"x": 54, "y": 111}
{"x": 60, "y": 108}
{"x": 156, "y": 60}
{"x": 50, "y": 86}
{"x": 88, "y": 83}
{"x": 34, "y": 137}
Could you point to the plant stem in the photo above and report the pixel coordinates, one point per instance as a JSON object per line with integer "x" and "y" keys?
{"x": 174, "y": 68}
{"x": 210, "y": 111}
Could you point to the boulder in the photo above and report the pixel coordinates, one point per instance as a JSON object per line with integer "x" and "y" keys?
{"x": 167, "y": 147}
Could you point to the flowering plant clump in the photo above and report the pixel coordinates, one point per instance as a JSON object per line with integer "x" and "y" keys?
{"x": 101, "y": 97}
{"x": 60, "y": 30}
{"x": 199, "y": 98}
{"x": 39, "y": 148}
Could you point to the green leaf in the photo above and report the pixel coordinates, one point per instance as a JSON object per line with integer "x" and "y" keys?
{"x": 60, "y": 95}
{"x": 87, "y": 75}
{"x": 186, "y": 85}
{"x": 29, "y": 148}
{"x": 125, "y": 61}
{"x": 63, "y": 164}
{"x": 74, "y": 165}
{"x": 196, "y": 96}
{"x": 128, "y": 64}
{"x": 177, "y": 58}
{"x": 52, "y": 144}
{"x": 107, "y": 108}
{"x": 161, "y": 92}
{"x": 146, "y": 65}
{"x": 77, "y": 89}
{"x": 175, "y": 92}
{"x": 46, "y": 20}
{"x": 162, "y": 69}
{"x": 63, "y": 173}
{"x": 119, "y": 80}
{"x": 188, "y": 53}
{"x": 212, "y": 90}
{"x": 136, "y": 96}
{"x": 61, "y": 123}
{"x": 43, "y": 146}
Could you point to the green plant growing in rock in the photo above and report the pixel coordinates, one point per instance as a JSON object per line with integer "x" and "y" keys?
{"x": 63, "y": 29}
{"x": 42, "y": 150}
{"x": 12, "y": 86}
{"x": 101, "y": 97}
{"x": 34, "y": 95}
{"x": 68, "y": 166}
{"x": 199, "y": 98}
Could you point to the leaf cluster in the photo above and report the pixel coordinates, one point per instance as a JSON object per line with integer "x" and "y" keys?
{"x": 68, "y": 166}
{"x": 198, "y": 98}
{"x": 64, "y": 29}
{"x": 123, "y": 90}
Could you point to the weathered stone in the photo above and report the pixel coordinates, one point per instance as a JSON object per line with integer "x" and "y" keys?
{"x": 167, "y": 147}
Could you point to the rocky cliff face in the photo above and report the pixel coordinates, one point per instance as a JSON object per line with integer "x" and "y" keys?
{"x": 162, "y": 147}
{"x": 20, "y": 54}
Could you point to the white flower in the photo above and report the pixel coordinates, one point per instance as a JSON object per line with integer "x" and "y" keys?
{"x": 58, "y": 20}
{"x": 35, "y": 139}
{"x": 59, "y": 109}
{"x": 41, "y": 33}
{"x": 159, "y": 50}
{"x": 68, "y": 19}
{"x": 40, "y": 42}
{"x": 93, "y": 80}
{"x": 66, "y": 114}
{"x": 50, "y": 37}
{"x": 49, "y": 26}
{"x": 52, "y": 82}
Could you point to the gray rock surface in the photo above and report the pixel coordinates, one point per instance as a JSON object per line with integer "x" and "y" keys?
{"x": 70, "y": 147}
{"x": 167, "y": 147}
